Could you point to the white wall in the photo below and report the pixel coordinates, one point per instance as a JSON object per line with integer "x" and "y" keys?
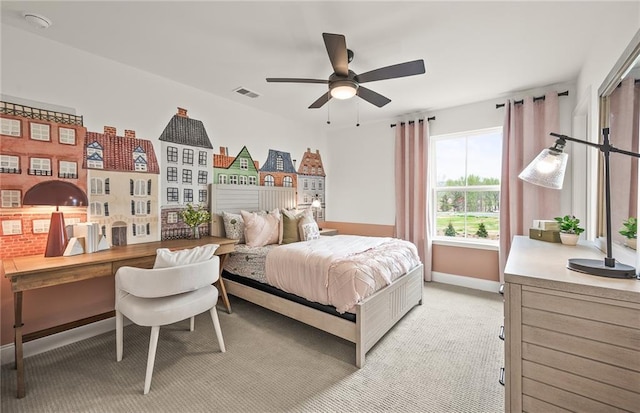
{"x": 105, "y": 92}
{"x": 361, "y": 185}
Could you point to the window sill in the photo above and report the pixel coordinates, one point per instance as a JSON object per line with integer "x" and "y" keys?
{"x": 467, "y": 243}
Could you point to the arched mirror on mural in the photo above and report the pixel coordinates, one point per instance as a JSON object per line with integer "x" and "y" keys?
{"x": 620, "y": 112}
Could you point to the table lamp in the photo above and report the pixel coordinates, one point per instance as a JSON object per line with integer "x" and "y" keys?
{"x": 55, "y": 193}
{"x": 547, "y": 170}
{"x": 315, "y": 206}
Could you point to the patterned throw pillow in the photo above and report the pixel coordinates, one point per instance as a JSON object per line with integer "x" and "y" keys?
{"x": 310, "y": 231}
{"x": 233, "y": 226}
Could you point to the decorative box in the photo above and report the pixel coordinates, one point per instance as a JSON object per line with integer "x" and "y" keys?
{"x": 546, "y": 224}
{"x": 544, "y": 235}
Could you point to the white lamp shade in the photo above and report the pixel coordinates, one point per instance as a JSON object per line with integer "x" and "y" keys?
{"x": 547, "y": 169}
{"x": 316, "y": 204}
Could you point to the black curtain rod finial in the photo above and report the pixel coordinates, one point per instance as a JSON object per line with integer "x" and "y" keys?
{"x": 536, "y": 98}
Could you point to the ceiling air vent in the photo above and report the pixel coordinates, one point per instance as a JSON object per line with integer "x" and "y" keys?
{"x": 246, "y": 92}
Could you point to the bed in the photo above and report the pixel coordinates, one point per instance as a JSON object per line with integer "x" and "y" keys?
{"x": 363, "y": 323}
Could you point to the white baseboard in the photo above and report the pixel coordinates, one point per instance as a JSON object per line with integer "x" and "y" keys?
{"x": 7, "y": 352}
{"x": 469, "y": 282}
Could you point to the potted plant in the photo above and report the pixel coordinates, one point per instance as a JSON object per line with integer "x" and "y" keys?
{"x": 630, "y": 231}
{"x": 570, "y": 229}
{"x": 194, "y": 217}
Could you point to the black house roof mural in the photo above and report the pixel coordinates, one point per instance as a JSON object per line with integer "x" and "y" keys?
{"x": 185, "y": 131}
{"x": 278, "y": 161}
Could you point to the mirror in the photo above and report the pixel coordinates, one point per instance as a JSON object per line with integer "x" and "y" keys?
{"x": 620, "y": 112}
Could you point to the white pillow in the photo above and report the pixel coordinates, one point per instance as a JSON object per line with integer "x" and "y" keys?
{"x": 307, "y": 218}
{"x": 167, "y": 258}
{"x": 310, "y": 231}
{"x": 261, "y": 230}
{"x": 233, "y": 226}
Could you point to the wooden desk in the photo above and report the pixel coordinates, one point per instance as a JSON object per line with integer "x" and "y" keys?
{"x": 32, "y": 272}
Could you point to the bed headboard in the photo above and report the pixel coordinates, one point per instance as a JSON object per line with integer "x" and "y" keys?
{"x": 233, "y": 198}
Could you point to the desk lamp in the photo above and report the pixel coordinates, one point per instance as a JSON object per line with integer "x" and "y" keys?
{"x": 548, "y": 170}
{"x": 55, "y": 193}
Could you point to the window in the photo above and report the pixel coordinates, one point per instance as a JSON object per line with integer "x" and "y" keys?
{"x": 95, "y": 209}
{"x": 186, "y": 176}
{"x": 140, "y": 187}
{"x": 222, "y": 179}
{"x": 253, "y": 180}
{"x": 202, "y": 196}
{"x": 172, "y": 194}
{"x": 40, "y": 132}
{"x": 319, "y": 170}
{"x": 233, "y": 179}
{"x": 305, "y": 184}
{"x": 172, "y": 154}
{"x": 40, "y": 226}
{"x": 40, "y": 167}
{"x": 187, "y": 156}
{"x": 140, "y": 165}
{"x": 10, "y": 198}
{"x": 9, "y": 164}
{"x": 172, "y": 174}
{"x": 10, "y": 127}
{"x": 320, "y": 184}
{"x": 67, "y": 136}
{"x": 96, "y": 186}
{"x": 313, "y": 171}
{"x": 11, "y": 227}
{"x": 141, "y": 207}
{"x": 269, "y": 181}
{"x": 243, "y": 180}
{"x": 68, "y": 170}
{"x": 313, "y": 184}
{"x": 139, "y": 230}
{"x": 279, "y": 163}
{"x": 202, "y": 158}
{"x": 244, "y": 163}
{"x": 466, "y": 169}
{"x": 172, "y": 217}
{"x": 305, "y": 169}
{"x": 287, "y": 182}
{"x": 202, "y": 177}
{"x": 188, "y": 195}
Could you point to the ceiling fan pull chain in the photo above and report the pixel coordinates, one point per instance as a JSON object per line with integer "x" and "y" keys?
{"x": 328, "y": 109}
{"x": 358, "y": 113}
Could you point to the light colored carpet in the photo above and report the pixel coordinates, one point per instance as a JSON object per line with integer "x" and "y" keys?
{"x": 444, "y": 356}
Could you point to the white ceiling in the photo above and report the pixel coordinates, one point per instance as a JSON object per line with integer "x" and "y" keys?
{"x": 472, "y": 50}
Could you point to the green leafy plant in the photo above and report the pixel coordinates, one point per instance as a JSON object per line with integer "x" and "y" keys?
{"x": 482, "y": 231}
{"x": 569, "y": 224}
{"x": 450, "y": 231}
{"x": 195, "y": 216}
{"x": 630, "y": 228}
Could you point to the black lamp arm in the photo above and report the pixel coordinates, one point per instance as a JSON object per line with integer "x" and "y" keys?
{"x": 605, "y": 146}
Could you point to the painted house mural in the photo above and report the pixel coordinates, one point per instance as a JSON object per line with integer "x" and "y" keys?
{"x": 241, "y": 170}
{"x": 36, "y": 144}
{"x": 187, "y": 154}
{"x": 311, "y": 182}
{"x": 278, "y": 170}
{"x": 123, "y": 186}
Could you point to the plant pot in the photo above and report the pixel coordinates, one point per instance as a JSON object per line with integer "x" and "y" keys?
{"x": 195, "y": 232}
{"x": 632, "y": 243}
{"x": 569, "y": 239}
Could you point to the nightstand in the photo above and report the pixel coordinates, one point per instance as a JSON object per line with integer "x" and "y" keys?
{"x": 328, "y": 231}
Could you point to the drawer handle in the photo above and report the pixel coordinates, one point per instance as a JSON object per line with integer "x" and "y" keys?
{"x": 501, "y": 289}
{"x": 501, "y": 379}
{"x": 501, "y": 335}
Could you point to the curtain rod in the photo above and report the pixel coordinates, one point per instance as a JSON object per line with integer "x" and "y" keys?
{"x": 517, "y": 102}
{"x": 411, "y": 122}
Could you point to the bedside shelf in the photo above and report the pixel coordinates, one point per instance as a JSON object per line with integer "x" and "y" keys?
{"x": 328, "y": 231}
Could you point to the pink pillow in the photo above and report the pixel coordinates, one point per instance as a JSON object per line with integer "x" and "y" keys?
{"x": 261, "y": 230}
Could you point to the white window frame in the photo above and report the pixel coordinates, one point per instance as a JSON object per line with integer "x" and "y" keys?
{"x": 95, "y": 209}
{"x": 222, "y": 179}
{"x": 10, "y": 127}
{"x": 11, "y": 227}
{"x": 141, "y": 208}
{"x": 67, "y": 136}
{"x": 253, "y": 180}
{"x": 9, "y": 161}
{"x": 269, "y": 180}
{"x": 141, "y": 230}
{"x": 450, "y": 240}
{"x": 242, "y": 180}
{"x": 244, "y": 163}
{"x": 40, "y": 164}
{"x": 40, "y": 132}
{"x": 233, "y": 179}
{"x": 172, "y": 217}
{"x": 67, "y": 167}
{"x": 96, "y": 186}
{"x": 140, "y": 188}
{"x": 11, "y": 198}
{"x": 287, "y": 182}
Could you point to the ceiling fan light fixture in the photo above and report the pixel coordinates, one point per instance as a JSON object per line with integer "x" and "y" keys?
{"x": 343, "y": 89}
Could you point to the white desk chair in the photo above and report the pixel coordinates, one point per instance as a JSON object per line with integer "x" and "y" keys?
{"x": 162, "y": 296}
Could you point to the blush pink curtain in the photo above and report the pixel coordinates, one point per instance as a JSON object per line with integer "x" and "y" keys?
{"x": 411, "y": 181}
{"x": 624, "y": 122}
{"x": 525, "y": 133}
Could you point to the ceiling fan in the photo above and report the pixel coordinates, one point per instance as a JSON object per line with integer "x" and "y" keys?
{"x": 344, "y": 83}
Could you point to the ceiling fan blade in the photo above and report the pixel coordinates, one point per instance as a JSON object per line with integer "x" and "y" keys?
{"x": 321, "y": 101}
{"x": 373, "y": 97}
{"x": 295, "y": 80}
{"x": 337, "y": 49}
{"x": 415, "y": 67}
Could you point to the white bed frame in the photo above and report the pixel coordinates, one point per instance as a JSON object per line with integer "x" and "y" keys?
{"x": 375, "y": 315}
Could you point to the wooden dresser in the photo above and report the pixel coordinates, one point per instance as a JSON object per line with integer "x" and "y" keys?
{"x": 572, "y": 340}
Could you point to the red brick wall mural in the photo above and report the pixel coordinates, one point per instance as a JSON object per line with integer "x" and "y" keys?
{"x": 135, "y": 194}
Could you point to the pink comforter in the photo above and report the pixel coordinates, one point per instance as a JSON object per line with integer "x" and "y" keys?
{"x": 341, "y": 270}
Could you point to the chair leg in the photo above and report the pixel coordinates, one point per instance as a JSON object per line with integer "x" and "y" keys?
{"x": 216, "y": 326}
{"x": 192, "y": 323}
{"x": 153, "y": 345}
{"x": 119, "y": 335}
